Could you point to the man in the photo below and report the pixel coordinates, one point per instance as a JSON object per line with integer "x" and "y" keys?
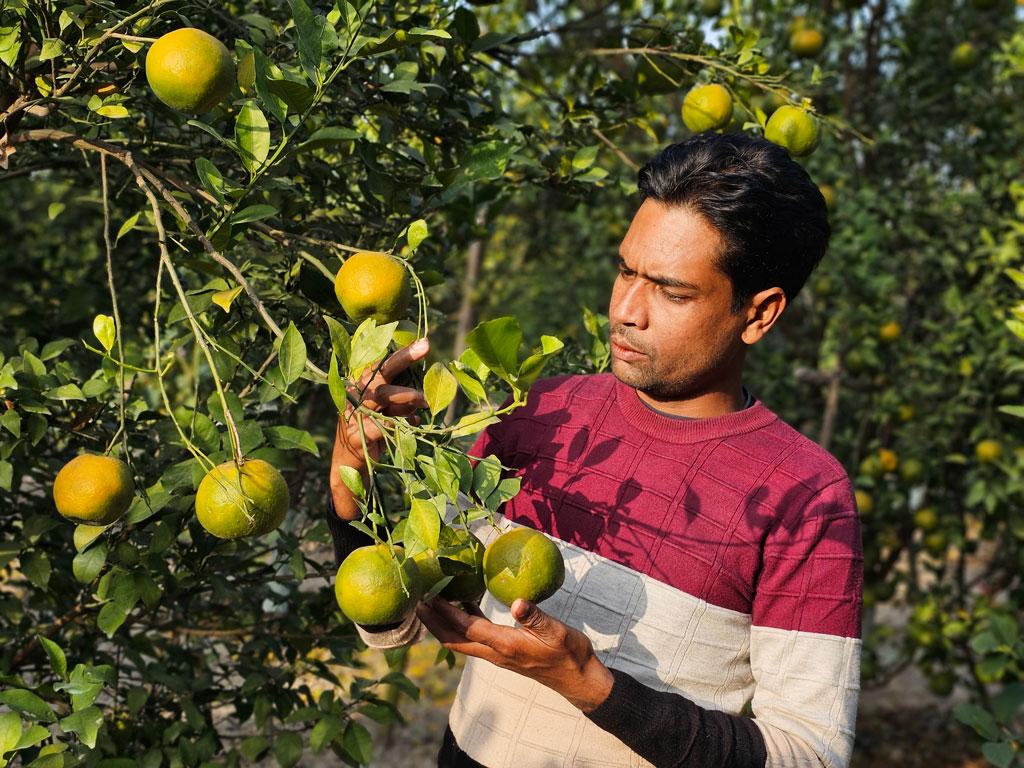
{"x": 713, "y": 554}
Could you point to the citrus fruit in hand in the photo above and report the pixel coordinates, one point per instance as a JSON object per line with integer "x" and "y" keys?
{"x": 190, "y": 70}
{"x": 988, "y": 451}
{"x": 793, "y": 128}
{"x": 230, "y": 504}
{"x": 460, "y": 555}
{"x": 707, "y": 108}
{"x": 93, "y": 490}
{"x": 372, "y": 285}
{"x": 375, "y": 589}
{"x": 806, "y": 43}
{"x": 523, "y": 563}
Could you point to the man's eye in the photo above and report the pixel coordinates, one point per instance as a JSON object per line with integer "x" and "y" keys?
{"x": 678, "y": 299}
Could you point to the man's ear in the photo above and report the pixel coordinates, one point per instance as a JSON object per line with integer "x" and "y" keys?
{"x": 764, "y": 310}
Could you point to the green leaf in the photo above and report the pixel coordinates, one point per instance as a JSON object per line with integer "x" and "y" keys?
{"x": 324, "y": 732}
{"x": 54, "y": 348}
{"x": 114, "y": 111}
{"x": 1013, "y": 410}
{"x": 32, "y": 736}
{"x": 6, "y": 474}
{"x": 58, "y": 661}
{"x": 111, "y": 617}
{"x": 296, "y": 96}
{"x": 254, "y": 747}
{"x": 54, "y": 210}
{"x": 496, "y": 343}
{"x": 369, "y": 343}
{"x": 353, "y": 480}
{"x": 27, "y": 704}
{"x": 417, "y": 233}
{"x": 1000, "y": 754}
{"x": 103, "y": 329}
{"x": 584, "y": 158}
{"x": 65, "y": 392}
{"x": 472, "y": 423}
{"x": 1005, "y": 629}
{"x": 439, "y": 387}
{"x": 291, "y": 439}
{"x": 485, "y": 161}
{"x": 976, "y": 717}
{"x": 10, "y": 44}
{"x": 357, "y": 743}
{"x": 212, "y": 179}
{"x": 292, "y": 357}
{"x": 532, "y": 366}
{"x": 10, "y": 731}
{"x": 288, "y": 746}
{"x": 310, "y": 30}
{"x": 52, "y": 48}
{"x": 254, "y": 213}
{"x": 86, "y": 723}
{"x": 470, "y": 385}
{"x": 11, "y": 421}
{"x": 330, "y": 136}
{"x": 486, "y": 476}
{"x": 341, "y": 342}
{"x": 36, "y": 565}
{"x": 252, "y": 133}
{"x": 87, "y": 565}
{"x": 128, "y": 226}
{"x": 336, "y": 386}
{"x": 223, "y": 299}
{"x": 423, "y": 526}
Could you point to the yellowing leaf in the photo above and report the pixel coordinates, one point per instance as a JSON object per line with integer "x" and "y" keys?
{"x": 223, "y": 299}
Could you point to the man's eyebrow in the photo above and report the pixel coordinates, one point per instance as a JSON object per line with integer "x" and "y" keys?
{"x": 668, "y": 282}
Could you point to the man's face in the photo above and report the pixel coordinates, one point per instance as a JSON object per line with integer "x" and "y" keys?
{"x": 672, "y": 306}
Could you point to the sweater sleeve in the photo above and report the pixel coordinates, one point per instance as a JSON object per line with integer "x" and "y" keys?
{"x": 805, "y": 635}
{"x": 346, "y": 539}
{"x": 670, "y": 730}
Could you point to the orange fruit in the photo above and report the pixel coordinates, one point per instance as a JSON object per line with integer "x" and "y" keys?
{"x": 829, "y": 194}
{"x": 707, "y": 108}
{"x": 376, "y": 586}
{"x": 988, "y": 451}
{"x": 888, "y": 460}
{"x": 460, "y": 555}
{"x": 190, "y": 70}
{"x": 865, "y": 504}
{"x": 926, "y": 519}
{"x": 964, "y": 56}
{"x": 793, "y": 128}
{"x": 911, "y": 470}
{"x": 523, "y": 563}
{"x": 372, "y": 285}
{"x": 890, "y": 332}
{"x": 93, "y": 490}
{"x": 806, "y": 43}
{"x": 230, "y": 504}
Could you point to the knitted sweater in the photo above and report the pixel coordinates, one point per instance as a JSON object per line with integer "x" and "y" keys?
{"x": 716, "y": 566}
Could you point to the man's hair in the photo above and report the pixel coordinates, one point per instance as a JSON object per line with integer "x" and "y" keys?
{"x": 769, "y": 213}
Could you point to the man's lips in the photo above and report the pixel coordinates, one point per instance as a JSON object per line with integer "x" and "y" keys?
{"x": 624, "y": 350}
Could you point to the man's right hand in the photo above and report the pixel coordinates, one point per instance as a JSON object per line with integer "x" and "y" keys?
{"x": 376, "y": 394}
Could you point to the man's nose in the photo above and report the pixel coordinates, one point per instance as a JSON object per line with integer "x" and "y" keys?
{"x": 631, "y": 305}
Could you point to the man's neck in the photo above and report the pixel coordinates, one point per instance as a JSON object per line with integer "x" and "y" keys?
{"x": 706, "y": 405}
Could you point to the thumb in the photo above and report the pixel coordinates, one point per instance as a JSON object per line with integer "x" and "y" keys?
{"x": 532, "y": 617}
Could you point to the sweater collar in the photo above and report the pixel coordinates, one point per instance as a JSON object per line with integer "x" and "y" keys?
{"x": 657, "y": 425}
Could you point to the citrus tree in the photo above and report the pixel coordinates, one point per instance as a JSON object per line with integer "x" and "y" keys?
{"x": 227, "y": 216}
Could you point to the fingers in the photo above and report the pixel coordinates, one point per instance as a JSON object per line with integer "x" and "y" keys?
{"x": 451, "y": 637}
{"x": 472, "y": 627}
{"x": 390, "y": 398}
{"x": 403, "y": 358}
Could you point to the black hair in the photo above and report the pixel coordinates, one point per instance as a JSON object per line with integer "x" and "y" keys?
{"x": 769, "y": 213}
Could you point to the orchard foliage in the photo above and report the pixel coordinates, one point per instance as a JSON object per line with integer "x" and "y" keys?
{"x": 168, "y": 298}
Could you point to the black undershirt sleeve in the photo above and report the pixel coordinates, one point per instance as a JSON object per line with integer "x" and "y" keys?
{"x": 671, "y": 731}
{"x": 346, "y": 537}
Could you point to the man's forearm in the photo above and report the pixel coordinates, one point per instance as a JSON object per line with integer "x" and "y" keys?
{"x": 345, "y": 505}
{"x": 670, "y": 730}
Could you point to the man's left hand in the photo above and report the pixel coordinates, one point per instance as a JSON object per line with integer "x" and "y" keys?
{"x": 541, "y": 648}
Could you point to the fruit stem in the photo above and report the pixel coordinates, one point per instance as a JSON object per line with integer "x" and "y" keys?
{"x": 117, "y": 315}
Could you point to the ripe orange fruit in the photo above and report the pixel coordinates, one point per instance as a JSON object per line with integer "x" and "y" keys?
{"x": 377, "y": 587}
{"x": 829, "y": 193}
{"x": 230, "y": 504}
{"x": 93, "y": 490}
{"x": 963, "y": 56}
{"x": 372, "y": 285}
{"x": 707, "y": 108}
{"x": 523, "y": 563}
{"x": 460, "y": 555}
{"x": 890, "y": 332}
{"x": 793, "y": 128}
{"x": 865, "y": 504}
{"x": 806, "y": 43}
{"x": 888, "y": 460}
{"x": 926, "y": 519}
{"x": 190, "y": 70}
{"x": 988, "y": 451}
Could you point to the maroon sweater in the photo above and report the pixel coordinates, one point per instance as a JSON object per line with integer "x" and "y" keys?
{"x": 751, "y": 531}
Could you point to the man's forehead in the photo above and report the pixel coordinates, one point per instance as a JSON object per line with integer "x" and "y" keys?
{"x": 677, "y": 238}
